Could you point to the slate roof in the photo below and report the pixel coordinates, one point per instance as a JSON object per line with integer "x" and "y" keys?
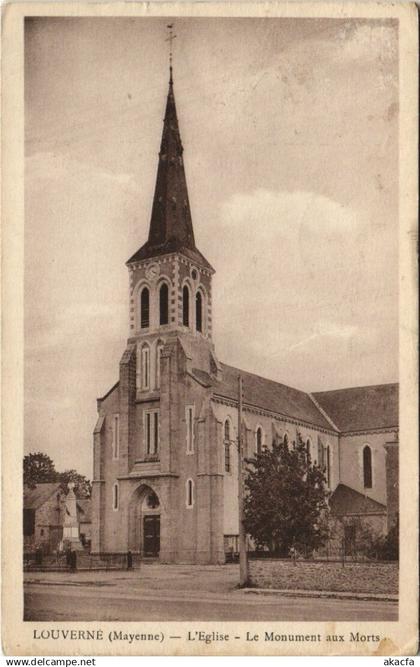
{"x": 271, "y": 395}
{"x": 35, "y": 498}
{"x": 361, "y": 408}
{"x": 171, "y": 228}
{"x": 353, "y": 409}
{"x": 345, "y": 501}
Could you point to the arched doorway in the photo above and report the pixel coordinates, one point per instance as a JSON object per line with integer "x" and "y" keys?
{"x": 144, "y": 522}
{"x": 151, "y": 525}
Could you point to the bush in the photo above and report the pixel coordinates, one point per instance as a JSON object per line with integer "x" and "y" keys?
{"x": 391, "y": 543}
{"x": 379, "y": 547}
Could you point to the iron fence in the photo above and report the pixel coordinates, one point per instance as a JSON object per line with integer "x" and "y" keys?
{"x": 83, "y": 561}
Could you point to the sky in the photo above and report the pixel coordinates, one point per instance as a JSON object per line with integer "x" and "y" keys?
{"x": 290, "y": 132}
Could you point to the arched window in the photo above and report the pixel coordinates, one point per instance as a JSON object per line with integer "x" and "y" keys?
{"x": 308, "y": 450}
{"x": 259, "y": 440}
{"x": 286, "y": 439}
{"x": 226, "y": 442}
{"x": 186, "y": 306}
{"x": 367, "y": 467}
{"x": 190, "y": 493}
{"x": 159, "y": 349}
{"x": 189, "y": 419}
{"x": 144, "y": 308}
{"x": 151, "y": 433}
{"x": 145, "y": 367}
{"x": 321, "y": 454}
{"x": 164, "y": 304}
{"x": 115, "y": 496}
{"x": 199, "y": 312}
{"x": 327, "y": 463}
{"x": 115, "y": 436}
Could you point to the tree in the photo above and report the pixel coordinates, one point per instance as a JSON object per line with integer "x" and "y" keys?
{"x": 83, "y": 486}
{"x": 37, "y": 469}
{"x": 375, "y": 546}
{"x": 286, "y": 501}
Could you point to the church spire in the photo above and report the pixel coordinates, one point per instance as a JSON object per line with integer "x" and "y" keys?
{"x": 171, "y": 215}
{"x": 171, "y": 227}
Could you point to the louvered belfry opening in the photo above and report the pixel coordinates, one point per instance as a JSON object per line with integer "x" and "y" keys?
{"x": 144, "y": 308}
{"x": 199, "y": 312}
{"x": 186, "y": 306}
{"x": 163, "y": 304}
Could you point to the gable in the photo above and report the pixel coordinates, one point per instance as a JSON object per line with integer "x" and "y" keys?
{"x": 346, "y": 500}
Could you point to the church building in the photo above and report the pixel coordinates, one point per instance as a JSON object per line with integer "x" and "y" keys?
{"x": 165, "y": 480}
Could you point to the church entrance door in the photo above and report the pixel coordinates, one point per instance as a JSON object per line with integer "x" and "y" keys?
{"x": 151, "y": 536}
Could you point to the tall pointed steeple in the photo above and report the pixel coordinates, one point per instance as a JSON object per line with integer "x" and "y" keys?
{"x": 171, "y": 227}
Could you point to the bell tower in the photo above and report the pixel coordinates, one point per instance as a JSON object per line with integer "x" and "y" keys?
{"x": 170, "y": 280}
{"x": 156, "y": 434}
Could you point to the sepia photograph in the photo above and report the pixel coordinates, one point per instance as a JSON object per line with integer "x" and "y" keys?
{"x": 211, "y": 328}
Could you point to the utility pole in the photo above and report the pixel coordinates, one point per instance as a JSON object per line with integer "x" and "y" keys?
{"x": 243, "y": 556}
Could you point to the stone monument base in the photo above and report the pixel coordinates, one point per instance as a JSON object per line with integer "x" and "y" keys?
{"x": 71, "y": 536}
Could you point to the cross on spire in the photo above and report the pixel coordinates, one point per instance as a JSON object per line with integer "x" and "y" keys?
{"x": 171, "y": 228}
{"x": 170, "y": 38}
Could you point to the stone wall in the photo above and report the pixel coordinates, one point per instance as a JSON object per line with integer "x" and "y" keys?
{"x": 351, "y": 463}
{"x": 324, "y": 576}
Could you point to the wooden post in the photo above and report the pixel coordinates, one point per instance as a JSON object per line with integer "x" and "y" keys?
{"x": 243, "y": 556}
